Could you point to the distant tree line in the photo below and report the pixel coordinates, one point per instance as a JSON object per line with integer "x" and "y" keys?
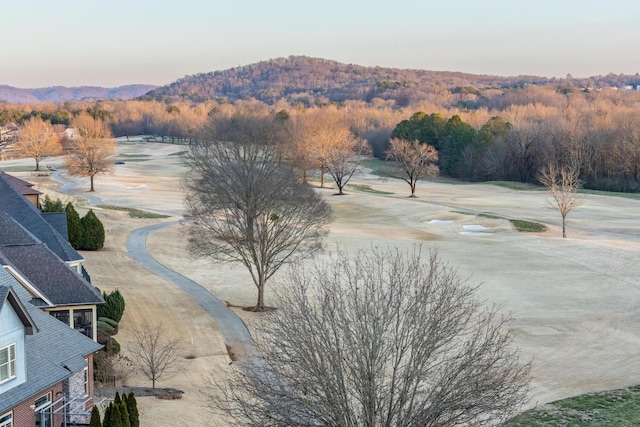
{"x": 480, "y": 131}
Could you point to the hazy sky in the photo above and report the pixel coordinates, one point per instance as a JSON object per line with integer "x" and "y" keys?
{"x": 117, "y": 42}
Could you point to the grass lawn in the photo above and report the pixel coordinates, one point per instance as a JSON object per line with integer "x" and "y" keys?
{"x": 366, "y": 189}
{"x": 610, "y": 408}
{"x": 134, "y": 213}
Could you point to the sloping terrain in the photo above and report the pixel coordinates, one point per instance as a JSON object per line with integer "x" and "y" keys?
{"x": 58, "y": 94}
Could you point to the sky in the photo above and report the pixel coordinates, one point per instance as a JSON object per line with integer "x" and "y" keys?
{"x": 118, "y": 42}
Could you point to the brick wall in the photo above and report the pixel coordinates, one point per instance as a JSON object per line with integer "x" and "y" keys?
{"x": 23, "y": 414}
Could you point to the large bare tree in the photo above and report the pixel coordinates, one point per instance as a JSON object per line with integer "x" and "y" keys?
{"x": 388, "y": 338}
{"x": 93, "y": 150}
{"x": 413, "y": 160}
{"x": 38, "y": 140}
{"x": 247, "y": 205}
{"x": 563, "y": 182}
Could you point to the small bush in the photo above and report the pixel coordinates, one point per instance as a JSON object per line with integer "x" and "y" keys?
{"x": 104, "y": 326}
{"x": 114, "y": 306}
{"x": 49, "y": 205}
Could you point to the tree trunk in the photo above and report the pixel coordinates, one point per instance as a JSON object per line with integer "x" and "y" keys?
{"x": 321, "y": 178}
{"x": 564, "y": 230}
{"x": 413, "y": 189}
{"x": 91, "y": 183}
{"x": 260, "y": 303}
{"x": 37, "y": 165}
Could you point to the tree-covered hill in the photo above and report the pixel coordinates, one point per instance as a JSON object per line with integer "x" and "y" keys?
{"x": 301, "y": 79}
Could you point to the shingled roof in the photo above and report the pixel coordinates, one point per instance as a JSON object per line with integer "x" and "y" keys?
{"x": 53, "y": 353}
{"x": 43, "y": 269}
{"x": 20, "y": 209}
{"x": 22, "y": 186}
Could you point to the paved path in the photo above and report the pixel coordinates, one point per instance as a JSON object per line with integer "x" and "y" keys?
{"x": 234, "y": 331}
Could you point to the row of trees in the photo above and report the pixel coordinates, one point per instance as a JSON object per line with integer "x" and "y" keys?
{"x": 122, "y": 412}
{"x": 506, "y": 141}
{"x": 90, "y": 152}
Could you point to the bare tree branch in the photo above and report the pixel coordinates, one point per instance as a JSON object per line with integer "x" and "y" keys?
{"x": 414, "y": 161}
{"x": 563, "y": 183}
{"x": 155, "y": 354}
{"x": 248, "y": 206}
{"x": 385, "y": 339}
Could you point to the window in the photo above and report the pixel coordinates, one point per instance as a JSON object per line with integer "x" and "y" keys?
{"x": 7, "y": 363}
{"x": 85, "y": 372}
{"x": 83, "y": 321}
{"x": 61, "y": 315}
{"x": 6, "y": 420}
{"x": 43, "y": 410}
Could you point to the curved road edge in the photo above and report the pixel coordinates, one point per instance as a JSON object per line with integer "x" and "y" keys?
{"x": 233, "y": 329}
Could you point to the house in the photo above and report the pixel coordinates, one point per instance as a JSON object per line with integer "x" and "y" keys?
{"x": 35, "y": 252}
{"x": 55, "y": 288}
{"x": 46, "y": 368}
{"x": 48, "y": 317}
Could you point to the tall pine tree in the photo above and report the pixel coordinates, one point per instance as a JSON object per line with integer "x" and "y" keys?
{"x": 95, "y": 418}
{"x": 106, "y": 422}
{"x": 74, "y": 227}
{"x": 93, "y": 232}
{"x": 116, "y": 417}
{"x": 124, "y": 413}
{"x": 132, "y": 407}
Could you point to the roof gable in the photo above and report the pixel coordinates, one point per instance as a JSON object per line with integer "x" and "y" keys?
{"x": 8, "y": 296}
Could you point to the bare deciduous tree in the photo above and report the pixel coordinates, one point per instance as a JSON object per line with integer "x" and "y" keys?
{"x": 414, "y": 160}
{"x": 386, "y": 339}
{"x": 342, "y": 159}
{"x": 38, "y": 140}
{"x": 317, "y": 136}
{"x": 248, "y": 206}
{"x": 155, "y": 354}
{"x": 563, "y": 182}
{"x": 94, "y": 149}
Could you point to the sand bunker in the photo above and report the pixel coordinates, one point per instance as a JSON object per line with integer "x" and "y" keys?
{"x": 475, "y": 230}
{"x": 474, "y": 227}
{"x": 441, "y": 221}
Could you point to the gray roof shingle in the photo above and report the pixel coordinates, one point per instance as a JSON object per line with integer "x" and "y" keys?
{"x": 20, "y": 209}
